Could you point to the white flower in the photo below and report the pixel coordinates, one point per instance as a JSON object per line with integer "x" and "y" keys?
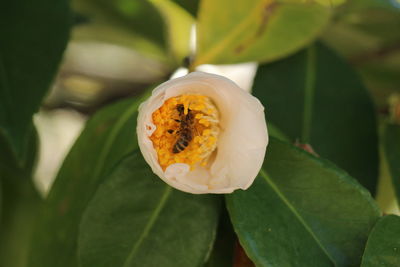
{"x": 201, "y": 133}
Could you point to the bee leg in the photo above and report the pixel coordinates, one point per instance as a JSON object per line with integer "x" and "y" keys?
{"x": 177, "y": 120}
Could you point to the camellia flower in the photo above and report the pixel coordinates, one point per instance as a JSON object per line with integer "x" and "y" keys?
{"x": 201, "y": 133}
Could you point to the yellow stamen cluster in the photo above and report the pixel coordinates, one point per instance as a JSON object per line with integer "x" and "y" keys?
{"x": 203, "y": 126}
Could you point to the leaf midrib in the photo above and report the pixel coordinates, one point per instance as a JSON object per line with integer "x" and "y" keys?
{"x": 149, "y": 225}
{"x": 296, "y": 213}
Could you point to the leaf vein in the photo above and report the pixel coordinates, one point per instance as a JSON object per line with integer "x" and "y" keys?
{"x": 149, "y": 225}
{"x": 296, "y": 213}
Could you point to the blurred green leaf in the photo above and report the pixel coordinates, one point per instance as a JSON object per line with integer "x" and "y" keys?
{"x": 1, "y": 201}
{"x": 383, "y": 246}
{"x": 190, "y": 5}
{"x": 108, "y": 136}
{"x": 391, "y": 146}
{"x": 179, "y": 24}
{"x": 366, "y": 37}
{"x": 159, "y": 29}
{"x": 360, "y": 32}
{"x": 255, "y": 30}
{"x": 316, "y": 97}
{"x": 223, "y": 247}
{"x": 277, "y": 133}
{"x": 356, "y": 5}
{"x": 135, "y": 219}
{"x": 302, "y": 211}
{"x": 330, "y": 3}
{"x": 122, "y": 37}
{"x": 136, "y": 25}
{"x": 20, "y": 206}
{"x": 137, "y": 17}
{"x": 28, "y": 63}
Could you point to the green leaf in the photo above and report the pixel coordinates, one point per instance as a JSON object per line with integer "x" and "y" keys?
{"x": 137, "y": 17}
{"x": 190, "y": 5}
{"x": 179, "y": 24}
{"x": 365, "y": 38}
{"x": 330, "y": 3}
{"x": 135, "y": 219}
{"x": 277, "y": 133}
{"x": 302, "y": 211}
{"x": 136, "y": 25}
{"x": 28, "y": 63}
{"x": 356, "y": 5}
{"x": 158, "y": 29}
{"x": 1, "y": 201}
{"x": 383, "y": 246}
{"x": 391, "y": 146}
{"x": 9, "y": 166}
{"x": 20, "y": 205}
{"x": 105, "y": 33}
{"x": 223, "y": 249}
{"x": 316, "y": 97}
{"x": 255, "y": 30}
{"x": 108, "y": 136}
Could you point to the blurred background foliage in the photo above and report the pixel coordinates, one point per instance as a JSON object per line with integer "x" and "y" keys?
{"x": 71, "y": 62}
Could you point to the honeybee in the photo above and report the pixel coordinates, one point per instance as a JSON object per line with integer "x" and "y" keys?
{"x": 186, "y": 129}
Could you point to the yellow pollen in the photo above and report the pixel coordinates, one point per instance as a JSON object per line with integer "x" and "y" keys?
{"x": 186, "y": 130}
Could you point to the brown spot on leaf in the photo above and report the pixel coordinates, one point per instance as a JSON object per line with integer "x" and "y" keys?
{"x": 266, "y": 14}
{"x": 306, "y": 147}
{"x": 239, "y": 49}
{"x": 63, "y": 207}
{"x": 267, "y": 11}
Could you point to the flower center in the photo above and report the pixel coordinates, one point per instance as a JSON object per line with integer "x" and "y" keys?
{"x": 186, "y": 130}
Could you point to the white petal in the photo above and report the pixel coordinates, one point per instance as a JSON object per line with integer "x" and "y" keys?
{"x": 241, "y": 144}
{"x": 242, "y": 74}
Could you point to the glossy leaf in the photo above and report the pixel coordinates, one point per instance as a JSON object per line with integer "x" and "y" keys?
{"x": 222, "y": 252}
{"x": 315, "y": 97}
{"x": 135, "y": 219}
{"x": 179, "y": 24}
{"x": 107, "y": 137}
{"x": 383, "y": 246}
{"x": 391, "y": 146}
{"x": 302, "y": 211}
{"x": 255, "y": 30}
{"x": 28, "y": 63}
